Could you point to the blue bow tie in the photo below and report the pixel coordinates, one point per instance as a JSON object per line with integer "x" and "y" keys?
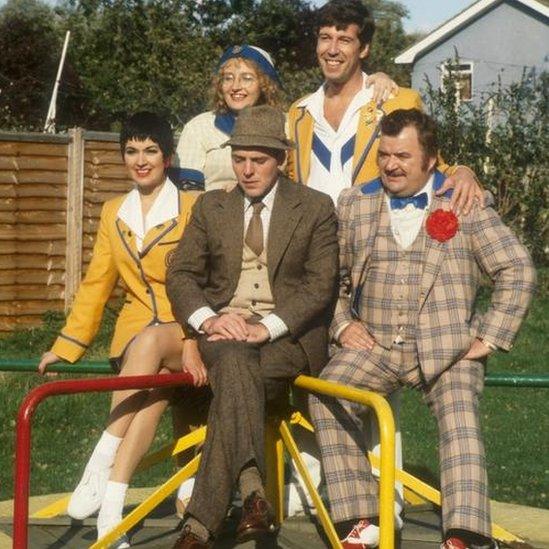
{"x": 419, "y": 201}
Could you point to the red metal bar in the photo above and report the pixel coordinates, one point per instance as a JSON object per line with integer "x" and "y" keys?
{"x": 23, "y": 432}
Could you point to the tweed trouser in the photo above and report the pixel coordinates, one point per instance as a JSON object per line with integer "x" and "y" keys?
{"x": 243, "y": 378}
{"x": 453, "y": 399}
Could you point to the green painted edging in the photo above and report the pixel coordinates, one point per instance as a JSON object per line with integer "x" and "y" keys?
{"x": 102, "y": 367}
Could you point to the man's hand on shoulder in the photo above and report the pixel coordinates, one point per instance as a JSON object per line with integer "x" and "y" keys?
{"x": 257, "y": 333}
{"x": 226, "y": 326}
{"x": 466, "y": 189}
{"x": 356, "y": 336}
{"x": 478, "y": 350}
{"x": 384, "y": 87}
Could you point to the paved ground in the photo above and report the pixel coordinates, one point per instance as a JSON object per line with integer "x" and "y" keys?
{"x": 421, "y": 532}
{"x": 421, "y": 529}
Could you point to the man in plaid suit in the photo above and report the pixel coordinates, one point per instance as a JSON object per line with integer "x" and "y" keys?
{"x": 409, "y": 276}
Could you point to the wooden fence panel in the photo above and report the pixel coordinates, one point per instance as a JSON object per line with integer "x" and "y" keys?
{"x": 52, "y": 188}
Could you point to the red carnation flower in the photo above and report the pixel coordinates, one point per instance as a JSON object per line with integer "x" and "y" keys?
{"x": 442, "y": 225}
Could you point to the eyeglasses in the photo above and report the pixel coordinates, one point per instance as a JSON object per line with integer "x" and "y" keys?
{"x": 246, "y": 79}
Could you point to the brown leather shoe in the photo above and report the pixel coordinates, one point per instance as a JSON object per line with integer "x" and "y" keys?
{"x": 188, "y": 540}
{"x": 257, "y": 519}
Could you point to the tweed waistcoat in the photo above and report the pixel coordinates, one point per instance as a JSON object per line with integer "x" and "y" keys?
{"x": 390, "y": 297}
{"x": 253, "y": 293}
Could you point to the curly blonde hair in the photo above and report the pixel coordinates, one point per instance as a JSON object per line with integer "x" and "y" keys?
{"x": 270, "y": 91}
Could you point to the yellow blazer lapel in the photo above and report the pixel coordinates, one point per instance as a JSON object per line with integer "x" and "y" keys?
{"x": 304, "y": 126}
{"x": 127, "y": 238}
{"x": 156, "y": 234}
{"x": 366, "y": 136}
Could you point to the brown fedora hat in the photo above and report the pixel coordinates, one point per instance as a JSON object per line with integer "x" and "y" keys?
{"x": 260, "y": 126}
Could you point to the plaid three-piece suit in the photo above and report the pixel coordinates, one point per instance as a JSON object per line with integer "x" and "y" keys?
{"x": 440, "y": 325}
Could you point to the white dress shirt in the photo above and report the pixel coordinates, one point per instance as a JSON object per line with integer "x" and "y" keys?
{"x": 164, "y": 207}
{"x": 333, "y": 150}
{"x": 274, "y": 324}
{"x": 406, "y": 223}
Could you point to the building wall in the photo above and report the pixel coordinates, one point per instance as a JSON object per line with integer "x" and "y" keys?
{"x": 499, "y": 44}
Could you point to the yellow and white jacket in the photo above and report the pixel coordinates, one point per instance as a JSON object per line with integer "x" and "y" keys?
{"x": 141, "y": 268}
{"x": 300, "y": 130}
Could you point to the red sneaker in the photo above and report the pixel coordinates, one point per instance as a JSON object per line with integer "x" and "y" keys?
{"x": 453, "y": 543}
{"x": 363, "y": 535}
{"x": 456, "y": 543}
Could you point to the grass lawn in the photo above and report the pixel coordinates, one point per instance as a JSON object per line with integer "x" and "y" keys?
{"x": 516, "y": 421}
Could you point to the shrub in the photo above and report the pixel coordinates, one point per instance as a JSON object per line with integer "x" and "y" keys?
{"x": 504, "y": 139}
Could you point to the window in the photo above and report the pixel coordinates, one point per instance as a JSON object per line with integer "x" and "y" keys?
{"x": 462, "y": 75}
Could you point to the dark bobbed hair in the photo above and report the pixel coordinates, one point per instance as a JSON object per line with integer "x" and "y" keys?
{"x": 342, "y": 13}
{"x": 148, "y": 125}
{"x": 393, "y": 123}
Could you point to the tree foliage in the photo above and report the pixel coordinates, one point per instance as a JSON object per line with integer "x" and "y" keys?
{"x": 27, "y": 66}
{"x": 126, "y": 55}
{"x": 137, "y": 54}
{"x": 504, "y": 139}
{"x": 389, "y": 39}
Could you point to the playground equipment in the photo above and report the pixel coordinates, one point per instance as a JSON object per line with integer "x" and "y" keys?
{"x": 279, "y": 437}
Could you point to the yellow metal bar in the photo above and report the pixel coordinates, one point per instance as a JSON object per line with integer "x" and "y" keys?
{"x": 279, "y": 450}
{"x": 53, "y": 509}
{"x": 140, "y": 512}
{"x": 169, "y": 450}
{"x": 386, "y": 423}
{"x": 321, "y": 511}
{"x": 299, "y": 419}
{"x": 502, "y": 534}
{"x": 411, "y": 497}
{"x": 274, "y": 453}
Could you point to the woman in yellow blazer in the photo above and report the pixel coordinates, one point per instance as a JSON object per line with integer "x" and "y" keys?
{"x": 136, "y": 237}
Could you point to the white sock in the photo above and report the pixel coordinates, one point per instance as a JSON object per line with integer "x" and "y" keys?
{"x": 105, "y": 451}
{"x": 111, "y": 509}
{"x": 185, "y": 489}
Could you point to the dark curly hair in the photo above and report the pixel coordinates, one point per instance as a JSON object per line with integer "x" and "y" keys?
{"x": 342, "y": 13}
{"x": 393, "y": 123}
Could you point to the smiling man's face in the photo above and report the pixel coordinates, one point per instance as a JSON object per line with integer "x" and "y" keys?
{"x": 339, "y": 53}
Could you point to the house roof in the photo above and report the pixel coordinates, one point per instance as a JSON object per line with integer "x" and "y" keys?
{"x": 461, "y": 19}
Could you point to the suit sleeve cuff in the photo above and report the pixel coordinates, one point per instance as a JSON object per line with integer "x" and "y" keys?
{"x": 340, "y": 329}
{"x": 489, "y": 344}
{"x": 275, "y": 326}
{"x": 68, "y": 348}
{"x": 199, "y": 316}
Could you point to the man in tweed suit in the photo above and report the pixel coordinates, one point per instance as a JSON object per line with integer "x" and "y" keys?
{"x": 405, "y": 316}
{"x": 256, "y": 274}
